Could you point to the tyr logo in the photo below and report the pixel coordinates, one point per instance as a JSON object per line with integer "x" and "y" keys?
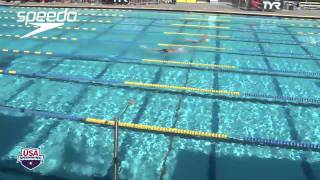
{"x": 269, "y": 4}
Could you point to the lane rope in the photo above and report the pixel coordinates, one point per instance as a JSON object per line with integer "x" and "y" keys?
{"x": 40, "y": 37}
{"x": 184, "y": 89}
{"x": 220, "y": 137}
{"x": 16, "y": 51}
{"x": 247, "y": 70}
{"x": 207, "y": 20}
{"x": 81, "y": 20}
{"x": 198, "y": 47}
{"x": 64, "y": 28}
{"x": 189, "y": 63}
{"x": 161, "y": 86}
{"x": 201, "y": 26}
{"x": 194, "y": 34}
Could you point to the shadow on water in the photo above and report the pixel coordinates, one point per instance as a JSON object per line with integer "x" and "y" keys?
{"x": 318, "y": 84}
{"x": 12, "y": 131}
{"x": 193, "y": 165}
{"x": 47, "y": 63}
{"x": 5, "y": 60}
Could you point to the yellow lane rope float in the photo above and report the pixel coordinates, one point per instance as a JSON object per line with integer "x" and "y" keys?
{"x": 188, "y": 63}
{"x": 173, "y": 87}
{"x": 189, "y": 46}
{"x": 208, "y": 20}
{"x": 305, "y": 25}
{"x": 40, "y": 37}
{"x": 9, "y": 72}
{"x": 308, "y": 33}
{"x": 201, "y": 26}
{"x": 16, "y": 51}
{"x": 167, "y": 131}
{"x": 82, "y": 20}
{"x": 158, "y": 129}
{"x": 195, "y": 34}
{"x": 65, "y": 28}
{"x": 161, "y": 86}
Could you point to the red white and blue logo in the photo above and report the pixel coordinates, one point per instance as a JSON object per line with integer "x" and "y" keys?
{"x": 30, "y": 158}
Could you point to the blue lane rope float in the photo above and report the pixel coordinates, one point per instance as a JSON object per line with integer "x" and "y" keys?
{"x": 276, "y": 143}
{"x": 219, "y": 137}
{"x": 311, "y": 74}
{"x": 289, "y": 54}
{"x": 288, "y": 98}
{"x": 173, "y": 88}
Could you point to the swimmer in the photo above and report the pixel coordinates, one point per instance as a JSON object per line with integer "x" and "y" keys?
{"x": 170, "y": 50}
{"x": 204, "y": 38}
{"x": 166, "y": 50}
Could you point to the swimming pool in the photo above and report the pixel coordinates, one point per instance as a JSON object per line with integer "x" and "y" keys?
{"x": 267, "y": 67}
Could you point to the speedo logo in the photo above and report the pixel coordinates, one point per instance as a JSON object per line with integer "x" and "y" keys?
{"x": 45, "y": 20}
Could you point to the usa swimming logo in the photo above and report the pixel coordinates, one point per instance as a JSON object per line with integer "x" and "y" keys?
{"x": 45, "y": 20}
{"x": 30, "y": 158}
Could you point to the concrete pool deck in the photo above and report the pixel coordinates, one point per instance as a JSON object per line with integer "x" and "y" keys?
{"x": 221, "y": 7}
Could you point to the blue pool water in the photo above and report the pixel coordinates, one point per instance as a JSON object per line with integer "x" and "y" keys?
{"x": 272, "y": 56}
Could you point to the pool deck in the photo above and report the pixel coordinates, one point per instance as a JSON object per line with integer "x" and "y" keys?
{"x": 221, "y": 7}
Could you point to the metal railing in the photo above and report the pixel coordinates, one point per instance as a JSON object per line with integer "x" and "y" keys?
{"x": 116, "y": 139}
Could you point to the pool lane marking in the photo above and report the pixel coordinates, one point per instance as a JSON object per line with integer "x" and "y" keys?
{"x": 200, "y": 26}
{"x": 198, "y": 47}
{"x": 65, "y": 28}
{"x": 208, "y": 20}
{"x": 188, "y": 63}
{"x": 162, "y": 86}
{"x": 195, "y": 34}
{"x": 16, "y": 51}
{"x": 40, "y": 37}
